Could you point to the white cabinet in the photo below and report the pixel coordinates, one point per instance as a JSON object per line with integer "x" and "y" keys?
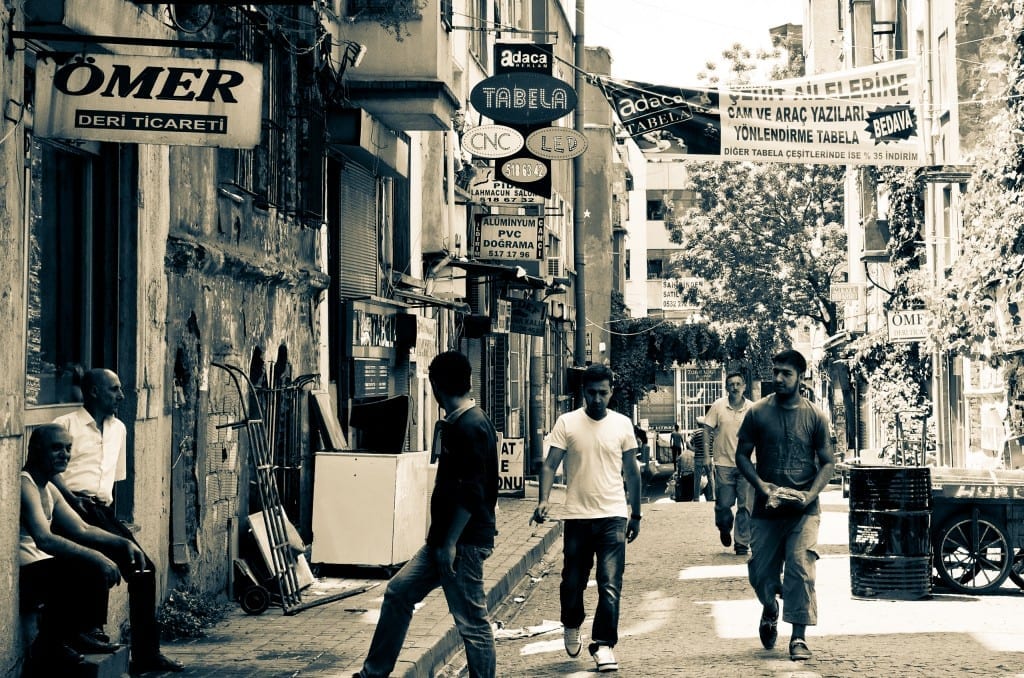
{"x": 369, "y": 509}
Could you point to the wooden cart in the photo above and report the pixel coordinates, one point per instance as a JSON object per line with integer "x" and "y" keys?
{"x": 977, "y": 528}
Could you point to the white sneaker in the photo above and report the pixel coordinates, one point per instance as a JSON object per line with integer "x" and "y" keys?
{"x": 605, "y": 659}
{"x": 573, "y": 641}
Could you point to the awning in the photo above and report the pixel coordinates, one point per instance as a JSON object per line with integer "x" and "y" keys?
{"x": 516, "y": 275}
{"x": 419, "y": 299}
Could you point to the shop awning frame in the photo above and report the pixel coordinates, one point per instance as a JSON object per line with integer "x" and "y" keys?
{"x": 420, "y": 299}
{"x": 516, "y": 275}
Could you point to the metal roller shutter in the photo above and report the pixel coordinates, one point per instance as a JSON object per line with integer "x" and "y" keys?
{"x": 357, "y": 253}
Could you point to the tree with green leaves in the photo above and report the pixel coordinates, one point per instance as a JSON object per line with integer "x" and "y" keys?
{"x": 768, "y": 242}
{"x": 767, "y": 239}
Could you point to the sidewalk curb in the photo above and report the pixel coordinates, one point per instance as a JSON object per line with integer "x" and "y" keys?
{"x": 435, "y": 655}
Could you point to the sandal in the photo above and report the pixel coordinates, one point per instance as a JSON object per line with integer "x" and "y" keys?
{"x": 798, "y": 650}
{"x": 768, "y": 628}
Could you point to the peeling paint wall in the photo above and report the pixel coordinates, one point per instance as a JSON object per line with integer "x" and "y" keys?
{"x": 240, "y": 280}
{"x": 12, "y": 292}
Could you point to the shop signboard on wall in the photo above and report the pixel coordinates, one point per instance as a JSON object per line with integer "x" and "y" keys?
{"x": 150, "y": 100}
{"x": 528, "y": 317}
{"x": 370, "y": 378}
{"x": 510, "y": 466}
{"x": 508, "y": 236}
{"x": 907, "y": 325}
{"x": 485, "y": 190}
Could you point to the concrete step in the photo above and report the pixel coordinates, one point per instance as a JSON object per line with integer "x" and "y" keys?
{"x": 113, "y": 665}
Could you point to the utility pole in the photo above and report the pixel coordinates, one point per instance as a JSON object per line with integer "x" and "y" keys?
{"x": 578, "y": 195}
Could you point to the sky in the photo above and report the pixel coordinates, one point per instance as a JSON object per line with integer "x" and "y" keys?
{"x": 667, "y": 42}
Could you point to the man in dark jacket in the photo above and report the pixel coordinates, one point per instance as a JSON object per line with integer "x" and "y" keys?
{"x": 461, "y": 534}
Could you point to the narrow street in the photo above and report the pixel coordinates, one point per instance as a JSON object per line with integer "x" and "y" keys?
{"x": 688, "y": 611}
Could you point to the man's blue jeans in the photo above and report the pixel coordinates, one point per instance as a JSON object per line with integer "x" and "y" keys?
{"x": 465, "y": 595}
{"x": 583, "y": 540}
{"x": 732, "y": 488}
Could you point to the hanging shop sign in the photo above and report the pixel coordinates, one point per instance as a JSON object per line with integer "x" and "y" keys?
{"x": 907, "y": 325}
{"x": 557, "y": 143}
{"x": 863, "y": 116}
{"x": 518, "y": 57}
{"x": 524, "y": 170}
{"x": 500, "y": 193}
{"x": 492, "y": 141}
{"x": 528, "y": 317}
{"x": 523, "y": 98}
{"x": 505, "y": 236}
{"x": 150, "y": 100}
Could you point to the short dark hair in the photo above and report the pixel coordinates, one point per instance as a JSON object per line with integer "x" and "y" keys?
{"x": 735, "y": 374}
{"x": 39, "y": 436}
{"x": 597, "y": 372}
{"x": 793, "y": 358}
{"x": 451, "y": 373}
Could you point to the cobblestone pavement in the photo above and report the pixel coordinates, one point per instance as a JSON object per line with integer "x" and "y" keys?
{"x": 332, "y": 639}
{"x": 688, "y": 611}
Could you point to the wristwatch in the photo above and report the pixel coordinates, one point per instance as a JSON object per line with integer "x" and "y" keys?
{"x": 635, "y": 516}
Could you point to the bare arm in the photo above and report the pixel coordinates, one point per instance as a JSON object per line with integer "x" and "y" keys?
{"x": 631, "y": 470}
{"x": 33, "y": 518}
{"x": 547, "y": 480}
{"x": 744, "y": 450}
{"x": 827, "y": 465}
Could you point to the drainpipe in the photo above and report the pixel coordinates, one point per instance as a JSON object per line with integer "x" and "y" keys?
{"x": 454, "y": 243}
{"x": 578, "y": 202}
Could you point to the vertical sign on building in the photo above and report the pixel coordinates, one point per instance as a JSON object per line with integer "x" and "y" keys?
{"x": 510, "y": 466}
{"x": 524, "y": 57}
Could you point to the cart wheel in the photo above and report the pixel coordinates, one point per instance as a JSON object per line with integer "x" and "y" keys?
{"x": 973, "y": 556}
{"x": 1017, "y": 569}
{"x": 255, "y": 600}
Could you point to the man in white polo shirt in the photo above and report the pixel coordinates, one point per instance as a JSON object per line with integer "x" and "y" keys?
{"x": 97, "y": 462}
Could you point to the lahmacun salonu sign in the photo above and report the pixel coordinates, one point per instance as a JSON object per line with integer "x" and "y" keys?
{"x": 150, "y": 100}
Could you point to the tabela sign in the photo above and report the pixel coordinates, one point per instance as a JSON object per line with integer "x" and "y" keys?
{"x": 523, "y": 98}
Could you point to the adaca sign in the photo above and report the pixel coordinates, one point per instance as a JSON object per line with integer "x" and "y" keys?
{"x": 150, "y": 100}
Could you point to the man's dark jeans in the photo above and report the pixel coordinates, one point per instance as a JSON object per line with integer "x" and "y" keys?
{"x": 141, "y": 585}
{"x": 583, "y": 541}
{"x": 466, "y": 601}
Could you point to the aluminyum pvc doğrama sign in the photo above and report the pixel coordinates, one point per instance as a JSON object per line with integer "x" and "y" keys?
{"x": 523, "y": 98}
{"x": 150, "y": 100}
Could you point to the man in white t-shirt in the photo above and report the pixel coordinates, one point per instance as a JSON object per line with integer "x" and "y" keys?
{"x": 722, "y": 427}
{"x": 599, "y": 449}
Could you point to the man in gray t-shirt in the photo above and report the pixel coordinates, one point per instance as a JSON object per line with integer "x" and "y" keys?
{"x": 794, "y": 464}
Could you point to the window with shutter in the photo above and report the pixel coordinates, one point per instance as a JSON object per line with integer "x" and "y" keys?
{"x": 357, "y": 247}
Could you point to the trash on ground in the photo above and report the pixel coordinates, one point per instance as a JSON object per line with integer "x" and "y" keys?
{"x": 546, "y": 626}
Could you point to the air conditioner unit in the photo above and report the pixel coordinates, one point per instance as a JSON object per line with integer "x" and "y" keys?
{"x": 554, "y": 267}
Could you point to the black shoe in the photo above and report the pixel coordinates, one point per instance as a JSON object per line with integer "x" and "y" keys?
{"x": 88, "y": 644}
{"x": 157, "y": 662}
{"x": 724, "y": 535}
{"x": 97, "y": 634}
{"x": 768, "y": 628}
{"x": 742, "y": 550}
